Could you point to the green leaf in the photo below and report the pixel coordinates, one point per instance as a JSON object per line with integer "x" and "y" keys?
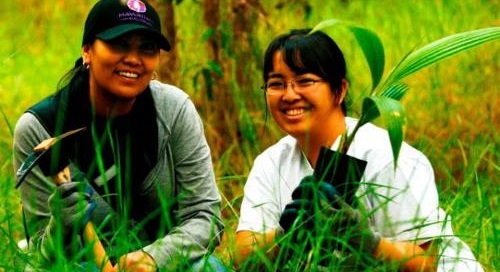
{"x": 373, "y": 50}
{"x": 370, "y": 44}
{"x": 441, "y": 49}
{"x": 209, "y": 33}
{"x": 396, "y": 91}
{"x": 370, "y": 110}
{"x": 216, "y": 68}
{"x": 393, "y": 116}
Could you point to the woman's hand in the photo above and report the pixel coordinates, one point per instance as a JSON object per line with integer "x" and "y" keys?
{"x": 137, "y": 261}
{"x": 71, "y": 205}
{"x": 317, "y": 211}
{"x": 304, "y": 196}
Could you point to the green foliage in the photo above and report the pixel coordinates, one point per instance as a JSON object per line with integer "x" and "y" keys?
{"x": 439, "y": 50}
{"x": 453, "y": 115}
{"x": 384, "y": 100}
{"x": 393, "y": 116}
{"x": 370, "y": 44}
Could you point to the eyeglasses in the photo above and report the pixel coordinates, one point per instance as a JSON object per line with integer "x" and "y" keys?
{"x": 278, "y": 86}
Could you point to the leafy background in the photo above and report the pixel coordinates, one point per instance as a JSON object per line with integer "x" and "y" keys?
{"x": 451, "y": 107}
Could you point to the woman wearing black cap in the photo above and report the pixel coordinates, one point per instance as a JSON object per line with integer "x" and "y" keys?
{"x": 141, "y": 169}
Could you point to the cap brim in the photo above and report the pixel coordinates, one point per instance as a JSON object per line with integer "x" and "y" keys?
{"x": 117, "y": 31}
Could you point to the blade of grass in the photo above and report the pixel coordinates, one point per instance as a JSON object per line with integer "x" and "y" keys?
{"x": 5, "y": 118}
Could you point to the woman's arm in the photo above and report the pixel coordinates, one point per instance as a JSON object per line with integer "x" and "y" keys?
{"x": 36, "y": 188}
{"x": 248, "y": 243}
{"x": 198, "y": 211}
{"x": 411, "y": 257}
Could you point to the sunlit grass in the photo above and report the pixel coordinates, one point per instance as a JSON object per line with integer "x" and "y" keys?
{"x": 452, "y": 107}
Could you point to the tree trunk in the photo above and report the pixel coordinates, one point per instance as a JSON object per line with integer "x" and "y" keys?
{"x": 219, "y": 104}
{"x": 242, "y": 30}
{"x": 169, "y": 61}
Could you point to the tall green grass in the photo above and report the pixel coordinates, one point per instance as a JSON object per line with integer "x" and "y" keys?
{"x": 452, "y": 106}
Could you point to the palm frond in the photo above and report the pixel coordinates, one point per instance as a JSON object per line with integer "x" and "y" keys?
{"x": 370, "y": 44}
{"x": 439, "y": 50}
{"x": 393, "y": 117}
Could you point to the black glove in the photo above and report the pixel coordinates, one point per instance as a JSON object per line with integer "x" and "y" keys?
{"x": 347, "y": 225}
{"x": 317, "y": 211}
{"x": 71, "y": 204}
{"x": 302, "y": 226}
{"x": 304, "y": 198}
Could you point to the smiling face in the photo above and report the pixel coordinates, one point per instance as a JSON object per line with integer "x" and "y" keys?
{"x": 309, "y": 112}
{"x": 120, "y": 69}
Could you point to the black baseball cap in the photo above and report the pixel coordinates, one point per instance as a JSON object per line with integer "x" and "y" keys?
{"x": 109, "y": 19}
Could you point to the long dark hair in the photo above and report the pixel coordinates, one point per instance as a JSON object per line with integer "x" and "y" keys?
{"x": 76, "y": 74}
{"x": 306, "y": 52}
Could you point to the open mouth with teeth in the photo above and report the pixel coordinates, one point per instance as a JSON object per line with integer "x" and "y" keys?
{"x": 128, "y": 74}
{"x": 294, "y": 112}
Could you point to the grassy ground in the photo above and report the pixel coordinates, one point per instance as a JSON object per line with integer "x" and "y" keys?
{"x": 452, "y": 107}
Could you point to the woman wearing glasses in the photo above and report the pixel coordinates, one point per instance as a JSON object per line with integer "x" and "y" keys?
{"x": 396, "y": 223}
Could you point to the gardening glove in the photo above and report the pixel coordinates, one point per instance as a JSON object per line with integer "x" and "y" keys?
{"x": 347, "y": 225}
{"x": 71, "y": 204}
{"x": 304, "y": 198}
{"x": 304, "y": 225}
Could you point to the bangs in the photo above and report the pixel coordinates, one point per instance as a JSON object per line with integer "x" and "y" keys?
{"x": 300, "y": 55}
